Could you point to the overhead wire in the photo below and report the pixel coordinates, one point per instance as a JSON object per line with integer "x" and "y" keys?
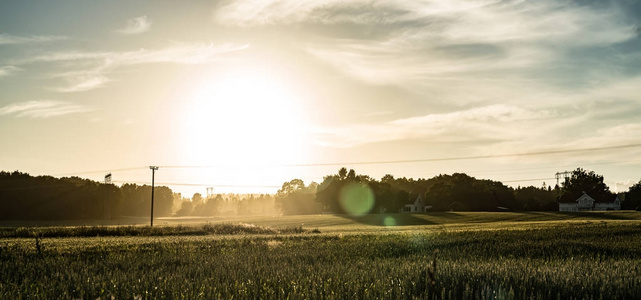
{"x": 526, "y": 180}
{"x": 563, "y": 151}
{"x": 199, "y": 184}
{"x": 379, "y": 162}
{"x": 525, "y": 170}
{"x": 102, "y": 171}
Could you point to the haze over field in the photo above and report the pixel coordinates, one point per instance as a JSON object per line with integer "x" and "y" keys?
{"x": 245, "y": 95}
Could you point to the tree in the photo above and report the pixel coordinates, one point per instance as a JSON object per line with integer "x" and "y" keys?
{"x": 633, "y": 197}
{"x": 186, "y": 208}
{"x": 296, "y": 198}
{"x": 26, "y": 197}
{"x": 532, "y": 198}
{"x": 582, "y": 181}
{"x": 352, "y": 174}
{"x": 327, "y": 192}
{"x": 198, "y": 203}
{"x": 463, "y": 192}
{"x": 212, "y": 206}
{"x": 342, "y": 173}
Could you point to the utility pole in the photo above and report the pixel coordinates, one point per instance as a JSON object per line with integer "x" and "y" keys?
{"x": 153, "y": 171}
{"x": 564, "y": 174}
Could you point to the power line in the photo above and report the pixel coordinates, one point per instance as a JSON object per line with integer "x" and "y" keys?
{"x": 380, "y": 162}
{"x": 33, "y": 187}
{"x": 525, "y": 180}
{"x": 563, "y": 166}
{"x": 201, "y": 184}
{"x": 476, "y": 157}
{"x": 526, "y": 170}
{"x": 101, "y": 171}
{"x": 277, "y": 186}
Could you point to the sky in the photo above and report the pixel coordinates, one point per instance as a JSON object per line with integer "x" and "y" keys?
{"x": 245, "y": 95}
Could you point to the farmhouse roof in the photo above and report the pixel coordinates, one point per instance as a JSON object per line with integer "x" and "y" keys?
{"x": 411, "y": 201}
{"x": 609, "y": 198}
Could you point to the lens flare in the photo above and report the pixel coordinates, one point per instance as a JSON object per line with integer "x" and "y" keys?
{"x": 389, "y": 221}
{"x": 356, "y": 199}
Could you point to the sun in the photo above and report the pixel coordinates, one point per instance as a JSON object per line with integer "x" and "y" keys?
{"x": 244, "y": 117}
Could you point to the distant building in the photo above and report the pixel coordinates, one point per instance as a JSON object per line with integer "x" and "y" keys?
{"x": 587, "y": 203}
{"x": 417, "y": 206}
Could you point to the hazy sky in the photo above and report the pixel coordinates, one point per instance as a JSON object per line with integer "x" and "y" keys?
{"x": 249, "y": 90}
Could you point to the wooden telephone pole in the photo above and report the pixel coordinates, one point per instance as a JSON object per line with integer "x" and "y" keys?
{"x": 153, "y": 171}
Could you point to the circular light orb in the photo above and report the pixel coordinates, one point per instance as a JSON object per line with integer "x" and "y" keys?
{"x": 356, "y": 199}
{"x": 389, "y": 221}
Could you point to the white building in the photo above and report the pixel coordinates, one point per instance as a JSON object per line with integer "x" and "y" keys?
{"x": 587, "y": 203}
{"x": 615, "y": 204}
{"x": 417, "y": 206}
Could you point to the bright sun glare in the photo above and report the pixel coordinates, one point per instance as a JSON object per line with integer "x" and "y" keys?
{"x": 246, "y": 117}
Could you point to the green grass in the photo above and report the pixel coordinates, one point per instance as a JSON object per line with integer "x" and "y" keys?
{"x": 368, "y": 223}
{"x": 98, "y": 231}
{"x": 497, "y": 256}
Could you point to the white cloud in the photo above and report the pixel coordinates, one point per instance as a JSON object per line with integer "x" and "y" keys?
{"x": 262, "y": 12}
{"x": 623, "y": 185}
{"x": 488, "y": 49}
{"x": 41, "y": 109}
{"x": 136, "y": 25}
{"x": 90, "y": 70}
{"x": 474, "y": 54}
{"x": 477, "y": 123}
{"x": 180, "y": 53}
{"x": 83, "y": 83}
{"x": 256, "y": 12}
{"x": 7, "y": 70}
{"x": 6, "y": 39}
{"x": 500, "y": 113}
{"x": 461, "y": 44}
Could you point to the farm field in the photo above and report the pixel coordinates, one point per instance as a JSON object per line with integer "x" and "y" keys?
{"x": 367, "y": 223}
{"x": 445, "y": 255}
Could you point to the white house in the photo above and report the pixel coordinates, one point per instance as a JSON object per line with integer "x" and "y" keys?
{"x": 417, "y": 206}
{"x": 614, "y": 204}
{"x": 587, "y": 203}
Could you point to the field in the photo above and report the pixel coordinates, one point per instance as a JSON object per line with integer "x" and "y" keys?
{"x": 444, "y": 255}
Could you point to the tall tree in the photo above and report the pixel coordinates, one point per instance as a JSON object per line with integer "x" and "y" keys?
{"x": 296, "y": 198}
{"x": 633, "y": 197}
{"x": 582, "y": 181}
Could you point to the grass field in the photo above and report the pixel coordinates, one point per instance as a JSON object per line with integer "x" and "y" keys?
{"x": 446, "y": 255}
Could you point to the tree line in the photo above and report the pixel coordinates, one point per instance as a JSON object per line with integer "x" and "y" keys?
{"x": 26, "y": 197}
{"x": 224, "y": 204}
{"x": 458, "y": 191}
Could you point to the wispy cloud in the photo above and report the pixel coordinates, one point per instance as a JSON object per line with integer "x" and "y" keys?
{"x": 89, "y": 70}
{"x": 367, "y": 12}
{"x": 554, "y": 66}
{"x": 179, "y": 53}
{"x": 515, "y": 39}
{"x": 82, "y": 82}
{"x": 488, "y": 49}
{"x": 6, "y": 39}
{"x": 41, "y": 109}
{"x": 256, "y": 12}
{"x": 7, "y": 70}
{"x": 478, "y": 123}
{"x": 136, "y": 25}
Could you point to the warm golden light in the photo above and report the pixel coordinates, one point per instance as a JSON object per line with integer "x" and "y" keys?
{"x": 244, "y": 117}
